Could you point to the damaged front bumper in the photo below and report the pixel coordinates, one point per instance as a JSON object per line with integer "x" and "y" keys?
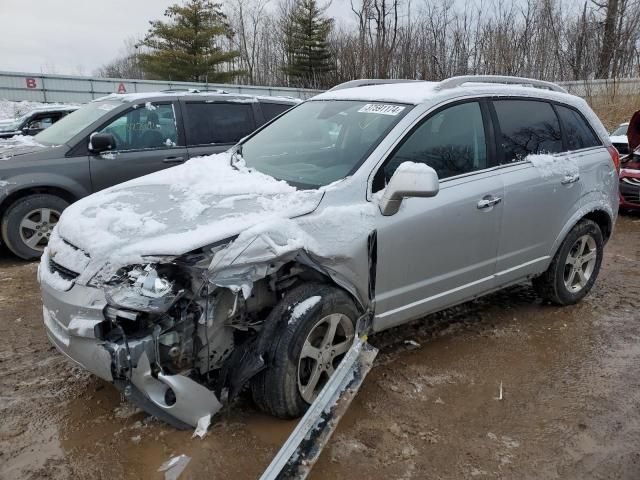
{"x": 72, "y": 320}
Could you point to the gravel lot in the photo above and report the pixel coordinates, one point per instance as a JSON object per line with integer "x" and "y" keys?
{"x": 571, "y": 406}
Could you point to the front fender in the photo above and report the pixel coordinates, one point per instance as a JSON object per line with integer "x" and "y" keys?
{"x": 17, "y": 183}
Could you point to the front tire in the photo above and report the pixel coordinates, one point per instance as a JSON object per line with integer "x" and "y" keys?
{"x": 318, "y": 328}
{"x": 575, "y": 267}
{"x": 28, "y": 223}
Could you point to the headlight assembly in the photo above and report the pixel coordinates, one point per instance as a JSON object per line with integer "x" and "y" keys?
{"x": 144, "y": 289}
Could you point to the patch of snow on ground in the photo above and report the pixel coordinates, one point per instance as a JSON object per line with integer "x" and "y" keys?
{"x": 550, "y": 165}
{"x": 303, "y": 307}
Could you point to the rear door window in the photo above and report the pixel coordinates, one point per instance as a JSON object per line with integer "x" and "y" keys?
{"x": 527, "y": 127}
{"x": 272, "y": 110}
{"x": 576, "y": 129}
{"x": 215, "y": 123}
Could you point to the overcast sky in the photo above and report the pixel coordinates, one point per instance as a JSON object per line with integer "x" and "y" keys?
{"x": 76, "y": 36}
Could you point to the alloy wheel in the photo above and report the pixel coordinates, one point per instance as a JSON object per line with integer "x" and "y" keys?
{"x": 323, "y": 350}
{"x": 580, "y": 263}
{"x": 36, "y": 227}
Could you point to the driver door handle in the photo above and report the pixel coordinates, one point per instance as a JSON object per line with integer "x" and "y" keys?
{"x": 173, "y": 160}
{"x": 488, "y": 202}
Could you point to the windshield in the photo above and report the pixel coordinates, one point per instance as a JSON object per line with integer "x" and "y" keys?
{"x": 66, "y": 128}
{"x": 621, "y": 130}
{"x": 320, "y": 142}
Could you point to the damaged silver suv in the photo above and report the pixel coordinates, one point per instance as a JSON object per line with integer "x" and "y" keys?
{"x": 361, "y": 209}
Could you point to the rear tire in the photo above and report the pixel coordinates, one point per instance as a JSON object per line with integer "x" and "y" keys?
{"x": 27, "y": 224}
{"x": 575, "y": 267}
{"x": 304, "y": 354}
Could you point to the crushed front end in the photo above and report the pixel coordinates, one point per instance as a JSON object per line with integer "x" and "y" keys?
{"x": 174, "y": 343}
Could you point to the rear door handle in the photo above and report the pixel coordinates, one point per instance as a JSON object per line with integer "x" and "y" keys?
{"x": 173, "y": 160}
{"x": 571, "y": 178}
{"x": 488, "y": 202}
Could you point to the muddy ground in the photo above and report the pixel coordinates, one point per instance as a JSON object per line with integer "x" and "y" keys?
{"x": 571, "y": 407}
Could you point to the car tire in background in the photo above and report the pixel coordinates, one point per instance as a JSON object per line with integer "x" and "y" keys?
{"x": 27, "y": 223}
{"x": 575, "y": 267}
{"x": 318, "y": 328}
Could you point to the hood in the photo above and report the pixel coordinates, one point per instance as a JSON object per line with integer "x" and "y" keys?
{"x": 633, "y": 132}
{"x": 8, "y": 124}
{"x": 20, "y": 145}
{"x": 180, "y": 209}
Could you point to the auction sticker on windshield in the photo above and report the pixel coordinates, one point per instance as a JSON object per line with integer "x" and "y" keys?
{"x": 381, "y": 109}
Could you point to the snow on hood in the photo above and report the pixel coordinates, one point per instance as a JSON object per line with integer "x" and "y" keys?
{"x": 180, "y": 209}
{"x": 18, "y": 145}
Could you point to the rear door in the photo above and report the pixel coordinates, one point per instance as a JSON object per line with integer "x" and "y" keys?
{"x": 147, "y": 139}
{"x": 542, "y": 185}
{"x": 215, "y": 126}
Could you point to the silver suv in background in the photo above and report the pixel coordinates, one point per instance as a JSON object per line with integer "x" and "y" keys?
{"x": 35, "y": 121}
{"x": 110, "y": 140}
{"x": 356, "y": 211}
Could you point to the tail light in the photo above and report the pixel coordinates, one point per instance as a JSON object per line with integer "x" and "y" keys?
{"x": 615, "y": 157}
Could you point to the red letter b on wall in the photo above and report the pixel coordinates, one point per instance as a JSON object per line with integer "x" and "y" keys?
{"x": 31, "y": 82}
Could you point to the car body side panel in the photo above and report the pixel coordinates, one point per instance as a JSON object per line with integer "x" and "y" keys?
{"x": 599, "y": 191}
{"x": 536, "y": 206}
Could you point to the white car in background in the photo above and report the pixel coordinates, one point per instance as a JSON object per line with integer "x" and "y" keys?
{"x": 619, "y": 138}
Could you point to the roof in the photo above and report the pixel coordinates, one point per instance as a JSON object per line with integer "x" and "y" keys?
{"x": 54, "y": 108}
{"x": 417, "y": 92}
{"x": 195, "y": 94}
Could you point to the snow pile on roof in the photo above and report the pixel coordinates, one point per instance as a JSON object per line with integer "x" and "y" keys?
{"x": 410, "y": 92}
{"x": 10, "y": 109}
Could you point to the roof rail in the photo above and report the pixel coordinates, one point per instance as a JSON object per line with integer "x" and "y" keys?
{"x": 194, "y": 90}
{"x": 458, "y": 81}
{"x": 365, "y": 82}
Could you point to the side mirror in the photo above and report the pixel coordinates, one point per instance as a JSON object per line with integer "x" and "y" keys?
{"x": 409, "y": 180}
{"x": 633, "y": 132}
{"x": 101, "y": 142}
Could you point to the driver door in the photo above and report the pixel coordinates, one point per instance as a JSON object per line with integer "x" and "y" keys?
{"x": 147, "y": 140}
{"x": 436, "y": 252}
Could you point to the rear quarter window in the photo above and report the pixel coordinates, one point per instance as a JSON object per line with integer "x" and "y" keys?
{"x": 527, "y": 127}
{"x": 272, "y": 110}
{"x": 576, "y": 129}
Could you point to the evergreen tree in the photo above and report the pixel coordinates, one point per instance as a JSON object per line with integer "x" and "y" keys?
{"x": 308, "y": 57}
{"x": 185, "y": 47}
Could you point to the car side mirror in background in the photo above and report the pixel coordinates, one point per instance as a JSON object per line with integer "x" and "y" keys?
{"x": 101, "y": 142}
{"x": 409, "y": 180}
{"x": 633, "y": 132}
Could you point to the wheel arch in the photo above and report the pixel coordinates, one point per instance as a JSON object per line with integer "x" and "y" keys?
{"x": 599, "y": 214}
{"x": 10, "y": 199}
